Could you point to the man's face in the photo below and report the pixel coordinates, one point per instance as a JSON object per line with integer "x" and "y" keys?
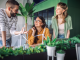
{"x": 14, "y": 11}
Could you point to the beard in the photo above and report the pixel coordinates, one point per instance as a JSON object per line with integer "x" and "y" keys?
{"x": 12, "y": 14}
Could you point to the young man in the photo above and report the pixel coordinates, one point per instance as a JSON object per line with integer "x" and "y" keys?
{"x": 8, "y": 21}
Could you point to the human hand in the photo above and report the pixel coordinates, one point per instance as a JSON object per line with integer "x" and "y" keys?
{"x": 34, "y": 31}
{"x": 23, "y": 32}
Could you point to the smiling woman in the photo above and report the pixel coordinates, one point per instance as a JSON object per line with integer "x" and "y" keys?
{"x": 61, "y": 23}
{"x": 39, "y": 32}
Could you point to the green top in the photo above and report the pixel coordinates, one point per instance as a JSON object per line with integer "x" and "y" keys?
{"x": 68, "y": 25}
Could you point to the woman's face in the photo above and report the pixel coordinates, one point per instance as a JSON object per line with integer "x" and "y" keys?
{"x": 59, "y": 10}
{"x": 38, "y": 22}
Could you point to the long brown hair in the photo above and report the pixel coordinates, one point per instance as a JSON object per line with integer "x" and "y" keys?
{"x": 43, "y": 26}
{"x": 65, "y": 14}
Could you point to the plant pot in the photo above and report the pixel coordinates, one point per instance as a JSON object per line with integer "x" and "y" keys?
{"x": 60, "y": 56}
{"x": 51, "y": 50}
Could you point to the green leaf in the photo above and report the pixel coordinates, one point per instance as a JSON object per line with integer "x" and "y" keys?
{"x": 22, "y": 10}
{"x": 31, "y": 7}
{"x": 27, "y": 7}
{"x": 60, "y": 51}
{"x": 54, "y": 40}
{"x": 33, "y": 16}
{"x": 31, "y": 12}
{"x": 48, "y": 39}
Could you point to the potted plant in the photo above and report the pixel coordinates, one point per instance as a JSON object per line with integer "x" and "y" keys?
{"x": 50, "y": 46}
{"x": 60, "y": 53}
{"x": 26, "y": 12}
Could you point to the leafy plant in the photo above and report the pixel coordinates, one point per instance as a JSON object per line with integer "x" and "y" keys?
{"x": 26, "y": 12}
{"x": 60, "y": 51}
{"x": 60, "y": 45}
{"x": 48, "y": 42}
{"x": 4, "y": 52}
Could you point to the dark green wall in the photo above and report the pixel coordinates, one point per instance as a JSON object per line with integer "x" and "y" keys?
{"x": 74, "y": 11}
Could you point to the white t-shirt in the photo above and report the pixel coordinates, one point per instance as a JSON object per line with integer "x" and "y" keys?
{"x": 61, "y": 28}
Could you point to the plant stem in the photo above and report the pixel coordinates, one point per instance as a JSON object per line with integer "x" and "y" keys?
{"x": 25, "y": 19}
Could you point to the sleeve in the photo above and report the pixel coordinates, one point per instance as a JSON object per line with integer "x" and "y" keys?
{"x": 2, "y": 23}
{"x": 30, "y": 38}
{"x": 13, "y": 27}
{"x": 69, "y": 23}
{"x": 53, "y": 22}
{"x": 47, "y": 33}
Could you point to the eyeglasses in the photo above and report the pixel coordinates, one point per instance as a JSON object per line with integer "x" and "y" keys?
{"x": 38, "y": 21}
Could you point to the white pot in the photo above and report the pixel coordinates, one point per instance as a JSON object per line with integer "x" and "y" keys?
{"x": 51, "y": 50}
{"x": 60, "y": 56}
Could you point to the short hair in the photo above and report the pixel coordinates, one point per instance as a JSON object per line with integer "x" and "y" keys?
{"x": 11, "y": 3}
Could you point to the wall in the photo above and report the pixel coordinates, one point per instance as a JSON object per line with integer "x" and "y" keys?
{"x": 74, "y": 11}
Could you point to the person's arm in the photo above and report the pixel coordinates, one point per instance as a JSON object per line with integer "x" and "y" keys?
{"x": 53, "y": 26}
{"x": 31, "y": 37}
{"x": 13, "y": 29}
{"x": 68, "y": 34}
{"x": 69, "y": 27}
{"x": 54, "y": 34}
{"x": 47, "y": 33}
{"x": 3, "y": 30}
{"x": 4, "y": 38}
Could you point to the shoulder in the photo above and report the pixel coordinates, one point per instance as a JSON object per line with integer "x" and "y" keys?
{"x": 30, "y": 30}
{"x": 2, "y": 12}
{"x": 53, "y": 17}
{"x": 68, "y": 17}
{"x": 47, "y": 29}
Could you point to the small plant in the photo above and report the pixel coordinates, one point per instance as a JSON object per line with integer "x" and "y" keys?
{"x": 48, "y": 42}
{"x": 60, "y": 51}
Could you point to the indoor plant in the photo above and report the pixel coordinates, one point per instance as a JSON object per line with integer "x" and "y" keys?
{"x": 60, "y": 53}
{"x": 26, "y": 12}
{"x": 50, "y": 46}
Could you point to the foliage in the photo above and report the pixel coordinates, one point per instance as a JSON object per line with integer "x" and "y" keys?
{"x": 26, "y": 11}
{"x": 49, "y": 42}
{"x": 4, "y": 52}
{"x": 60, "y": 46}
{"x": 60, "y": 51}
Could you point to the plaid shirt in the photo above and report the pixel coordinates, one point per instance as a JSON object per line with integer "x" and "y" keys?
{"x": 7, "y": 24}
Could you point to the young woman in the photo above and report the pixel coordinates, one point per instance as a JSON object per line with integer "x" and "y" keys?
{"x": 39, "y": 32}
{"x": 61, "y": 23}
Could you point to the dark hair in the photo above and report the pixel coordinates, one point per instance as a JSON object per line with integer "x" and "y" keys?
{"x": 43, "y": 26}
{"x": 11, "y": 3}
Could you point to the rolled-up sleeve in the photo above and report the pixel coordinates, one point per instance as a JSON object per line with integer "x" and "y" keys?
{"x": 30, "y": 38}
{"x": 53, "y": 22}
{"x": 69, "y": 23}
